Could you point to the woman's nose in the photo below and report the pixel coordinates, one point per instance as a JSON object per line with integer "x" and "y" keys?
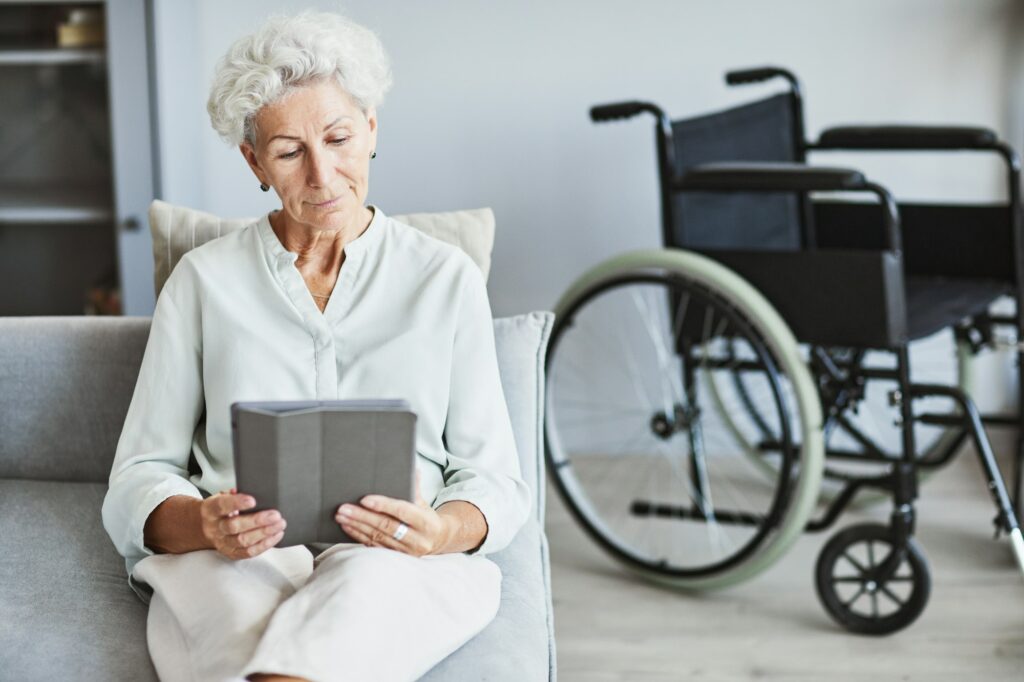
{"x": 318, "y": 169}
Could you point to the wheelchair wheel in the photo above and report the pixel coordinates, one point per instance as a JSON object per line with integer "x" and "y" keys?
{"x": 867, "y": 588}
{"x": 859, "y": 411}
{"x": 636, "y": 450}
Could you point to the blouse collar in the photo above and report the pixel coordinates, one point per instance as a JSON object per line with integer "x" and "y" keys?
{"x": 277, "y": 254}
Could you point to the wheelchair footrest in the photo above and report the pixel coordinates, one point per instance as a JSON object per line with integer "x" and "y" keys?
{"x": 675, "y": 511}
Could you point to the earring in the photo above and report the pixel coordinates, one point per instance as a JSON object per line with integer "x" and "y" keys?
{"x": 265, "y": 188}
{"x": 373, "y": 155}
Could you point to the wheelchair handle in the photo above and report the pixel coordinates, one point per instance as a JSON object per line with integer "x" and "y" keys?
{"x": 610, "y": 112}
{"x": 757, "y": 75}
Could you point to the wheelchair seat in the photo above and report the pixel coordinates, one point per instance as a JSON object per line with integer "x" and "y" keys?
{"x": 934, "y": 303}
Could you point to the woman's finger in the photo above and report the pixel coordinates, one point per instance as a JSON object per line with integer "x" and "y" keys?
{"x": 256, "y": 535}
{"x": 260, "y": 547}
{"x": 236, "y": 525}
{"x": 227, "y": 505}
{"x": 403, "y": 510}
{"x": 385, "y": 523}
{"x": 374, "y": 537}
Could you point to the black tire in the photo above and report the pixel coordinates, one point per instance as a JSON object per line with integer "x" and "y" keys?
{"x": 847, "y": 573}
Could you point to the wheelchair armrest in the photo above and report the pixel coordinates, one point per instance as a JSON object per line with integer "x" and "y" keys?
{"x": 906, "y": 137}
{"x": 789, "y": 177}
{"x": 769, "y": 177}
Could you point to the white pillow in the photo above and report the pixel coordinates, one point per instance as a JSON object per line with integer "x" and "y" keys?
{"x": 176, "y": 229}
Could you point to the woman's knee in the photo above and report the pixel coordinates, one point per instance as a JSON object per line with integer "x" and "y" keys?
{"x": 395, "y": 571}
{"x": 366, "y": 564}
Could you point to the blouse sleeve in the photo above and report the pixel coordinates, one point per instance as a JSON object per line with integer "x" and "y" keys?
{"x": 483, "y": 465}
{"x": 151, "y": 461}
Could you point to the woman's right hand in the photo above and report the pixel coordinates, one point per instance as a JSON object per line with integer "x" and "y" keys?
{"x": 237, "y": 535}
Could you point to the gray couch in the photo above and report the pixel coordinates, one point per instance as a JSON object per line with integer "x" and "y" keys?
{"x": 66, "y": 610}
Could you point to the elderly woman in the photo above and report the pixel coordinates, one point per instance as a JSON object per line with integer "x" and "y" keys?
{"x": 325, "y": 298}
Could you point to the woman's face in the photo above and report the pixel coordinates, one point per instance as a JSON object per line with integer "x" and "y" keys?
{"x": 313, "y": 147}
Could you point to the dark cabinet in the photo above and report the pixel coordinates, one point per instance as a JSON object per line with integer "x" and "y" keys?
{"x": 75, "y": 158}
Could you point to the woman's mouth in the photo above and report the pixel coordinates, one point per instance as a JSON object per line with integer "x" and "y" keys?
{"x": 327, "y": 204}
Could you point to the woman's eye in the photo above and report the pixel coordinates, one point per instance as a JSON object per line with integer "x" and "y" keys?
{"x": 291, "y": 155}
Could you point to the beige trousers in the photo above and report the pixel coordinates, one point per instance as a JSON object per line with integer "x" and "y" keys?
{"x": 352, "y": 613}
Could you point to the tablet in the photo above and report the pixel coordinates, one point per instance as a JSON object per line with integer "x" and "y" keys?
{"x": 305, "y": 458}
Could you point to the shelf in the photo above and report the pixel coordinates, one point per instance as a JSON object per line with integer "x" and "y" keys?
{"x": 88, "y": 55}
{"x": 28, "y": 204}
{"x": 49, "y": 2}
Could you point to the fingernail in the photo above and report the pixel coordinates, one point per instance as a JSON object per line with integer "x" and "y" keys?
{"x": 345, "y": 510}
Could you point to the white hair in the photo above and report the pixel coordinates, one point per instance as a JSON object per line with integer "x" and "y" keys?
{"x": 287, "y": 52}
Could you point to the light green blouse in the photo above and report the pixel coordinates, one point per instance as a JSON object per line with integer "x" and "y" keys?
{"x": 408, "y": 318}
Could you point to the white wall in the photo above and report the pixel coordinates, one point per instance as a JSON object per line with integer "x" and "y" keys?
{"x": 490, "y": 105}
{"x": 490, "y": 102}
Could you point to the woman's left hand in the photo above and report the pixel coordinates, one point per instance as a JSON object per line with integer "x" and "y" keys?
{"x": 374, "y": 521}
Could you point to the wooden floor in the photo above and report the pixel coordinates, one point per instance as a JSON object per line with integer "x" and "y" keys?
{"x": 610, "y": 626}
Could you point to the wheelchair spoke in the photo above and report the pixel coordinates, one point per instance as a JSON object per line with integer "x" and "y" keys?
{"x": 654, "y": 329}
{"x": 602, "y": 407}
{"x": 885, "y": 590}
{"x": 847, "y": 604}
{"x": 856, "y": 564}
{"x": 615, "y": 446}
{"x": 684, "y": 304}
{"x": 595, "y": 340}
{"x": 634, "y": 370}
{"x": 665, "y": 323}
{"x": 591, "y": 420}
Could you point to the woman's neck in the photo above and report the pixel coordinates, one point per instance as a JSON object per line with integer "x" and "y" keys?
{"x": 322, "y": 250}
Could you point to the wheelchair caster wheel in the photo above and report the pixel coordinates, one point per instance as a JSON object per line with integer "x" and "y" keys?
{"x": 861, "y": 588}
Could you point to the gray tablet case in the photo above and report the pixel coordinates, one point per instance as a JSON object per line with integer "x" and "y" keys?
{"x": 305, "y": 458}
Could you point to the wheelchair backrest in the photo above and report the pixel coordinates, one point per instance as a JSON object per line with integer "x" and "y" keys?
{"x": 760, "y": 131}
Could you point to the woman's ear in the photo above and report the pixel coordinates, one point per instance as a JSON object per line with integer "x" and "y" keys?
{"x": 254, "y": 163}
{"x": 371, "y": 119}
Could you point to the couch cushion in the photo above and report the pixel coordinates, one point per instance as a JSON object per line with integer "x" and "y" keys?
{"x": 520, "y": 643}
{"x": 67, "y": 383}
{"x": 521, "y": 342}
{"x": 177, "y": 229}
{"x": 68, "y": 613}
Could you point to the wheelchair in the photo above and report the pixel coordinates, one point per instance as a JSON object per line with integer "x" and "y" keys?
{"x": 792, "y": 350}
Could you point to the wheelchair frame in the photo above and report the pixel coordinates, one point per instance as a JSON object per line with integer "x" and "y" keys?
{"x": 808, "y": 312}
{"x": 880, "y": 309}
